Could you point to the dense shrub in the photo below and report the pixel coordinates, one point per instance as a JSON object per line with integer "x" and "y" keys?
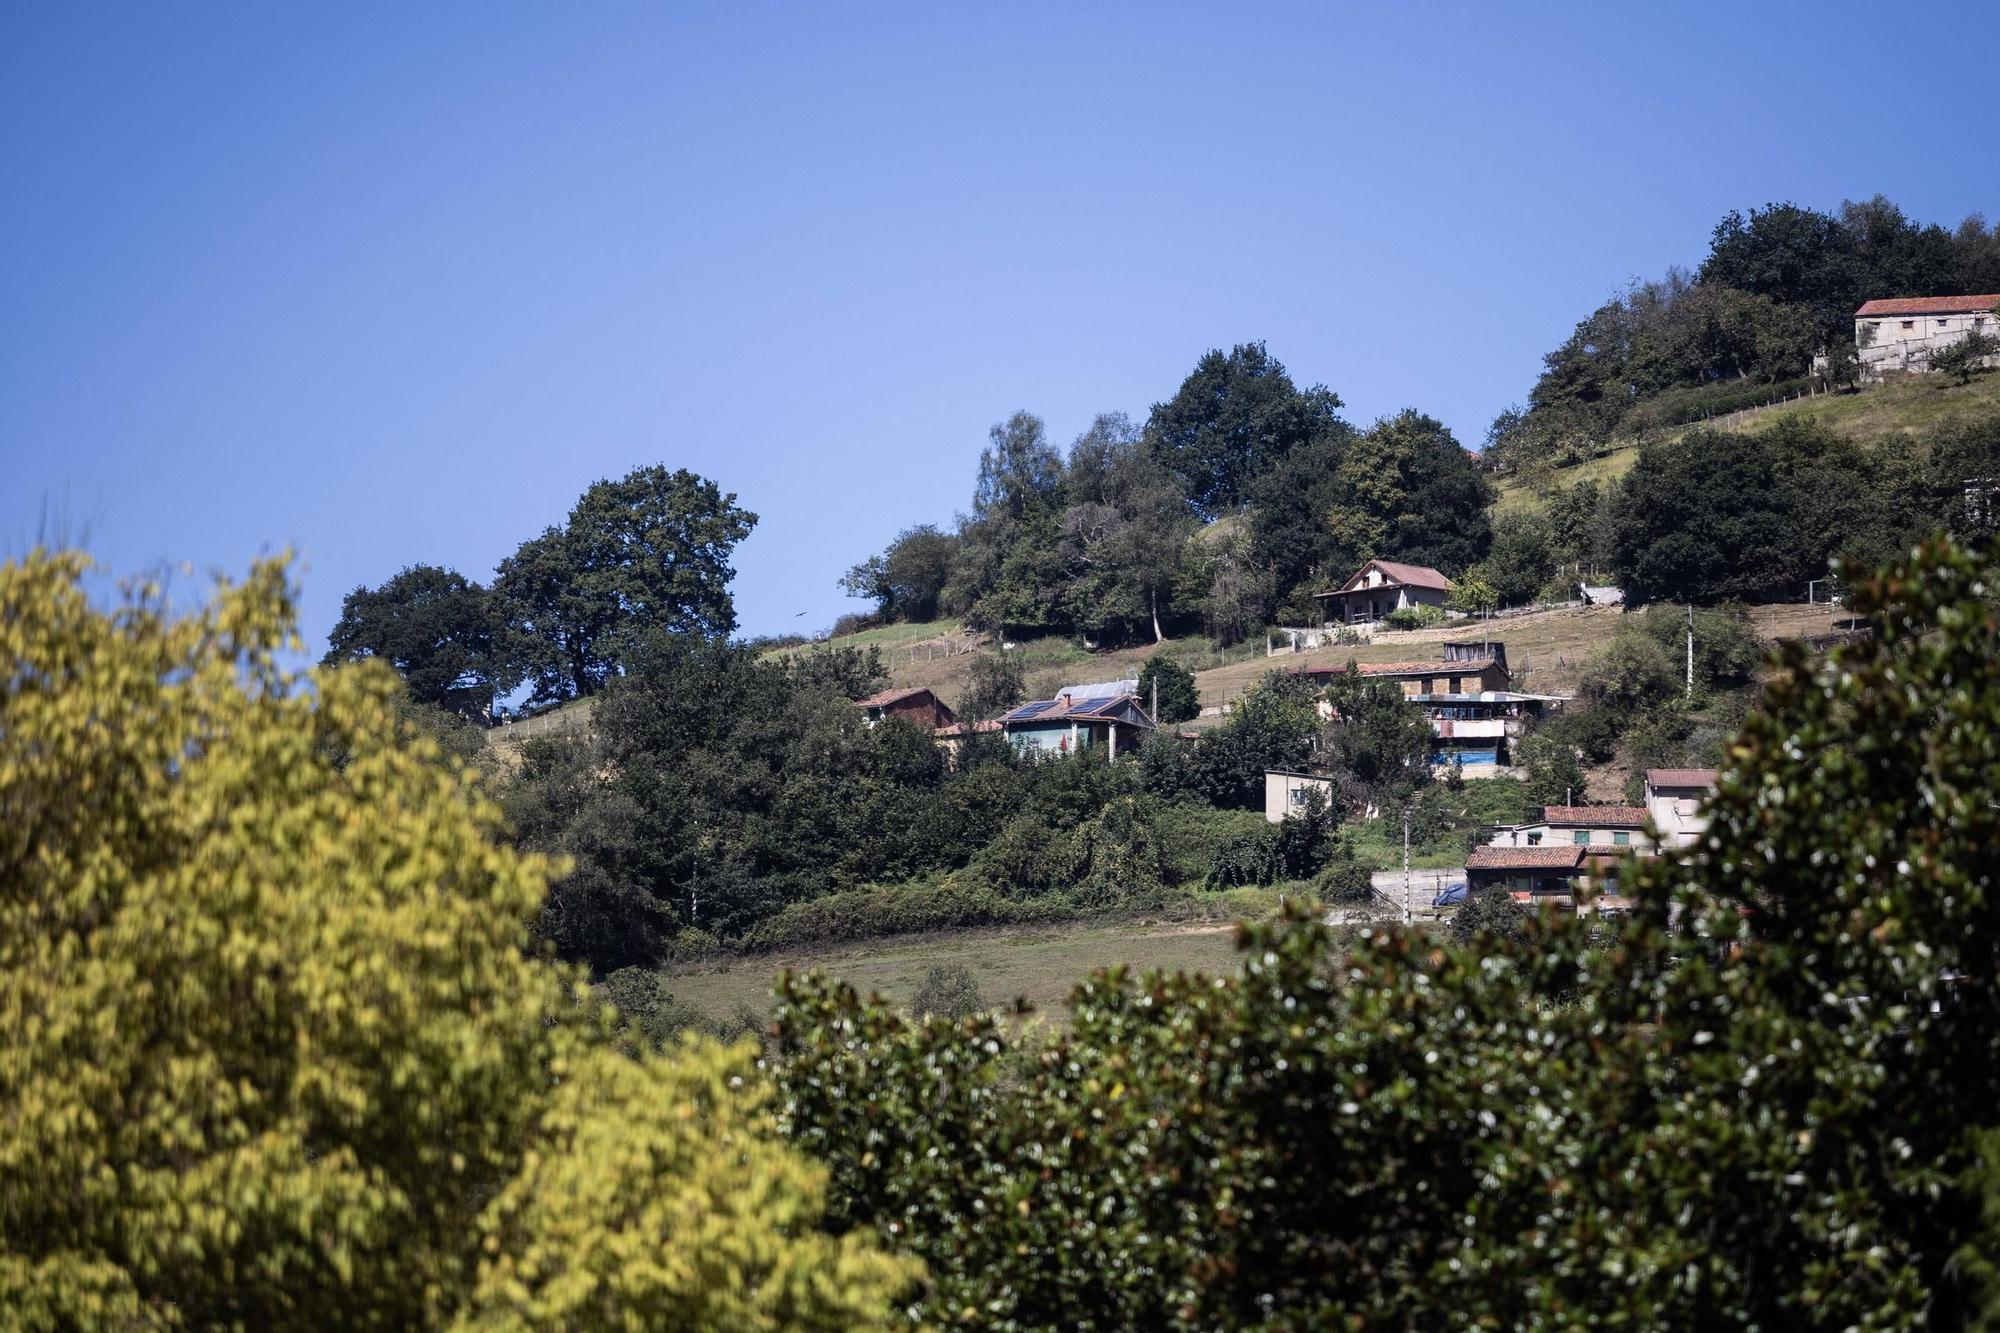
{"x": 947, "y": 991}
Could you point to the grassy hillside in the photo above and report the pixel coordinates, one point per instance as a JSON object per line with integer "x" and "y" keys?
{"x": 1040, "y": 964}
{"x": 1906, "y": 408}
{"x": 891, "y": 639}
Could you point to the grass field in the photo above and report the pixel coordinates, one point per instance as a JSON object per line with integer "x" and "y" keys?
{"x": 1040, "y": 964}
{"x": 889, "y": 638}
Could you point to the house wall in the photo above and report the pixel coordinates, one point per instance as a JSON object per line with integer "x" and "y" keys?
{"x": 1279, "y": 789}
{"x": 1674, "y": 811}
{"x": 1545, "y": 834}
{"x": 1894, "y": 347}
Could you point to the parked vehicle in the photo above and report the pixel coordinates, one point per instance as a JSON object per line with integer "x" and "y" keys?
{"x": 1451, "y": 895}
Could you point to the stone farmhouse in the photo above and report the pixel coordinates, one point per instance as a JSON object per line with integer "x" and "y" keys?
{"x": 1902, "y": 333}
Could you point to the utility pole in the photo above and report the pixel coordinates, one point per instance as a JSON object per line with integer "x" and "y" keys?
{"x": 1156, "y": 698}
{"x": 1690, "y": 684}
{"x": 1406, "y": 866}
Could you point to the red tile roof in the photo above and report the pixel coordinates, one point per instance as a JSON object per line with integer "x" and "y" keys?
{"x": 1596, "y": 816}
{"x": 1525, "y": 858}
{"x": 887, "y": 697}
{"x": 1929, "y": 305}
{"x": 1680, "y": 777}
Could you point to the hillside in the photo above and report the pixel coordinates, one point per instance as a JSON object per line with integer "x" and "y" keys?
{"x": 1901, "y": 409}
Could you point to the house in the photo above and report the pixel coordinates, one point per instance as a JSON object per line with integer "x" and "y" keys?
{"x": 1603, "y": 833}
{"x": 1285, "y": 792}
{"x": 1465, "y": 667}
{"x": 1546, "y": 873}
{"x": 1077, "y": 717}
{"x": 1902, "y": 333}
{"x": 1674, "y": 798}
{"x": 918, "y": 706}
{"x": 1475, "y": 719}
{"x": 1380, "y": 587}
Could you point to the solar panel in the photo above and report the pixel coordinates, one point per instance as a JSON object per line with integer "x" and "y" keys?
{"x": 1035, "y": 709}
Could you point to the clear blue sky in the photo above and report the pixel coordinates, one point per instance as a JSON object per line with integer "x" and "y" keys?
{"x": 393, "y": 283}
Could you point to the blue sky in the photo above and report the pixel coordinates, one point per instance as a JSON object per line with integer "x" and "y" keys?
{"x": 394, "y": 283}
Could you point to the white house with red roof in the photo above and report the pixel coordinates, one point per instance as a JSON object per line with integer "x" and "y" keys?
{"x": 1380, "y": 587}
{"x": 1902, "y": 333}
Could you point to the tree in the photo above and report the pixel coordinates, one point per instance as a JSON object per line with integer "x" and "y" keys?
{"x": 1965, "y": 356}
{"x": 1520, "y": 564}
{"x": 643, "y": 555}
{"x": 435, "y": 626}
{"x": 1408, "y": 491}
{"x": 1473, "y": 594}
{"x": 276, "y": 1051}
{"x": 1702, "y": 519}
{"x": 1235, "y": 416}
{"x": 1173, "y": 685}
{"x": 1123, "y": 532}
{"x": 1377, "y": 734}
{"x": 994, "y": 684}
{"x": 908, "y": 580}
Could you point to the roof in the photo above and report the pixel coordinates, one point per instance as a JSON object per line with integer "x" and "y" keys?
{"x": 1103, "y": 689}
{"x": 887, "y": 697}
{"x": 1598, "y": 816}
{"x": 1525, "y": 858}
{"x": 1465, "y": 666}
{"x": 957, "y": 729}
{"x": 1929, "y": 305}
{"x": 1416, "y": 576}
{"x": 1081, "y": 710}
{"x": 1680, "y": 777}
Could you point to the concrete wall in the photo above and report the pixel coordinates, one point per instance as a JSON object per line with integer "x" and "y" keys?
{"x": 1906, "y": 342}
{"x": 1279, "y": 789}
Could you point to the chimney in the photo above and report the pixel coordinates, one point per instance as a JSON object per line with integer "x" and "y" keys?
{"x": 1065, "y": 700}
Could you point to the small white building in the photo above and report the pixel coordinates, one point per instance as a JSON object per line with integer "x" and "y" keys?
{"x": 1674, "y": 797}
{"x": 1285, "y": 792}
{"x": 1902, "y": 333}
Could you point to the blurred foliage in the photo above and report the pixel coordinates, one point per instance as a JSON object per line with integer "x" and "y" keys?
{"x": 274, "y": 1049}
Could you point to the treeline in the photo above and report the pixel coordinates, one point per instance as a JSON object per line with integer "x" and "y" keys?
{"x": 719, "y": 800}
{"x": 1712, "y": 516}
{"x": 1776, "y": 287}
{"x": 644, "y": 556}
{"x": 1241, "y": 496}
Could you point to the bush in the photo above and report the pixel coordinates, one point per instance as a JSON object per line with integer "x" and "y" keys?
{"x": 1490, "y": 914}
{"x": 1344, "y": 879}
{"x": 1178, "y": 696}
{"x": 1249, "y": 856}
{"x": 1419, "y": 616}
{"x": 947, "y": 991}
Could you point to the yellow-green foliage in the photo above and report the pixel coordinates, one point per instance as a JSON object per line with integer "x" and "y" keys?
{"x": 273, "y": 1052}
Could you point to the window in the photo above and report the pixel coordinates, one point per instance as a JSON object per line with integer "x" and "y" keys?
{"x": 1534, "y": 839}
{"x": 1582, "y": 837}
{"x": 1298, "y": 796}
{"x": 1621, "y": 839}
{"x": 1909, "y": 323}
{"x": 1944, "y": 323}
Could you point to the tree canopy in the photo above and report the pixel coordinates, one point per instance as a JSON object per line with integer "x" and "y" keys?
{"x": 439, "y": 629}
{"x": 1235, "y": 416}
{"x": 646, "y": 554}
{"x": 275, "y": 1051}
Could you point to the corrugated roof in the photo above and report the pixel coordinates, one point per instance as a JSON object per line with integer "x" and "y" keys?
{"x": 1680, "y": 777}
{"x": 1525, "y": 858}
{"x": 1928, "y": 305}
{"x": 1103, "y": 689}
{"x": 1596, "y": 816}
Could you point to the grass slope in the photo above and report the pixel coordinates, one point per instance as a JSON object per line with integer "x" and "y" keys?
{"x": 1904, "y": 408}
{"x": 1040, "y": 964}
